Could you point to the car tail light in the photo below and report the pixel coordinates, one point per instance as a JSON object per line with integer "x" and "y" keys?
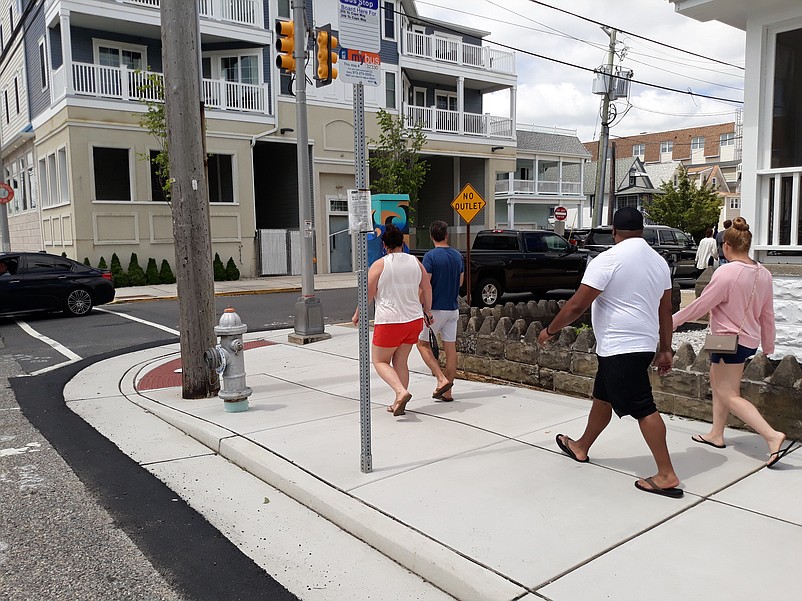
{"x": 106, "y": 275}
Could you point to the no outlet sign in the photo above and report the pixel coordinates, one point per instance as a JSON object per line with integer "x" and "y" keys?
{"x": 560, "y": 213}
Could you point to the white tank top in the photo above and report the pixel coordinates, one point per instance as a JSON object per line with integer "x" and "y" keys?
{"x": 397, "y": 299}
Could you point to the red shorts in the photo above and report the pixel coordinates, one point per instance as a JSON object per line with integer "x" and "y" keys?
{"x": 391, "y": 335}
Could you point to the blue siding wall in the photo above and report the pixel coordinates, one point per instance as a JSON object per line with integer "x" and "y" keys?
{"x": 38, "y": 99}
{"x": 472, "y": 100}
{"x": 82, "y": 50}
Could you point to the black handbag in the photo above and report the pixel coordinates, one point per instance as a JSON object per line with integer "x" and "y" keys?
{"x": 432, "y": 340}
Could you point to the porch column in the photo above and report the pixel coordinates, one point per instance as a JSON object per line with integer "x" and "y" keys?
{"x": 66, "y": 49}
{"x": 514, "y": 109}
{"x": 461, "y": 104}
{"x": 510, "y": 214}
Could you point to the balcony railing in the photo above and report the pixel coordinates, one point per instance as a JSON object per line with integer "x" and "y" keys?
{"x": 458, "y": 53}
{"x": 782, "y": 189}
{"x": 244, "y": 12}
{"x": 454, "y": 122}
{"x": 530, "y": 187}
{"x": 125, "y": 84}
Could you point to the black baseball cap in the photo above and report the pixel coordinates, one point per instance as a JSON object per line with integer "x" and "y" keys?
{"x": 628, "y": 218}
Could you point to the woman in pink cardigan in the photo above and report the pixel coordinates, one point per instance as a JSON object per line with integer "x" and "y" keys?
{"x": 739, "y": 298}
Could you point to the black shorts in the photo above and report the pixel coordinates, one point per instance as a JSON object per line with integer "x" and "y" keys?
{"x": 743, "y": 353}
{"x": 623, "y": 381}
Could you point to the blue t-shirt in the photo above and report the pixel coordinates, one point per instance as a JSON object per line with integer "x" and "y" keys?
{"x": 445, "y": 264}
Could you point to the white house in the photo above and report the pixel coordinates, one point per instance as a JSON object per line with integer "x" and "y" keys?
{"x": 771, "y": 181}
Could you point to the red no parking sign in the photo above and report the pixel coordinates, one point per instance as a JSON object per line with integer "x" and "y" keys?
{"x": 560, "y": 213}
{"x": 6, "y": 193}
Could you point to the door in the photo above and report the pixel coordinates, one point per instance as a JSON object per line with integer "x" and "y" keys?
{"x": 11, "y": 291}
{"x": 339, "y": 244}
{"x": 47, "y": 279}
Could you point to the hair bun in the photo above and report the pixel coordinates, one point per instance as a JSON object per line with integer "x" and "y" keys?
{"x": 739, "y": 223}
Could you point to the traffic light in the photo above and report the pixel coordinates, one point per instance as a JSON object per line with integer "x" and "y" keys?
{"x": 285, "y": 44}
{"x": 326, "y": 56}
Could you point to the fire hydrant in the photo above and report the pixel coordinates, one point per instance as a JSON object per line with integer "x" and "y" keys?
{"x": 228, "y": 359}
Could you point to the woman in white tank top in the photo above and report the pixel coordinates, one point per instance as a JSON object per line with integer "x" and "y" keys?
{"x": 403, "y": 295}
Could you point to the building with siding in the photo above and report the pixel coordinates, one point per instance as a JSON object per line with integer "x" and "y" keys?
{"x": 77, "y": 155}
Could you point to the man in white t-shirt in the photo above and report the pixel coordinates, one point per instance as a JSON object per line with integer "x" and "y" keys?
{"x": 628, "y": 288}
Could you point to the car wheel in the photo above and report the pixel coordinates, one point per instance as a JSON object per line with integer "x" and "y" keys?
{"x": 78, "y": 302}
{"x": 488, "y": 293}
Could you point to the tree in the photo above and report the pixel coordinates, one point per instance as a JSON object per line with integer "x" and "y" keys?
{"x": 155, "y": 122}
{"x": 685, "y": 205}
{"x": 397, "y": 159}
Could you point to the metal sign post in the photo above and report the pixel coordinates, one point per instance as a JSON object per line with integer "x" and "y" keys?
{"x": 361, "y": 222}
{"x": 467, "y": 204}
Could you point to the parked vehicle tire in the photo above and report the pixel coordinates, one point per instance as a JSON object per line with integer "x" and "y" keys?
{"x": 78, "y": 302}
{"x": 488, "y": 293}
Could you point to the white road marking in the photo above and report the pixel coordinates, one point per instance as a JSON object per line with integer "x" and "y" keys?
{"x": 138, "y": 320}
{"x": 49, "y": 341}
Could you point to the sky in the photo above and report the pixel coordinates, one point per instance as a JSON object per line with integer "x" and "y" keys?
{"x": 556, "y": 95}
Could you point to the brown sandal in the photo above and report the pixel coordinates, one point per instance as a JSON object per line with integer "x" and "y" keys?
{"x": 398, "y": 407}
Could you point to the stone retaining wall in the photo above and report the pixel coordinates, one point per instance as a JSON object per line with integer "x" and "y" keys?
{"x": 502, "y": 343}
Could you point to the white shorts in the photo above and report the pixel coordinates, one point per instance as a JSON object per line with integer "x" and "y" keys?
{"x": 445, "y": 324}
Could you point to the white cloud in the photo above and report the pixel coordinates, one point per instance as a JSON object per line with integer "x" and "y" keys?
{"x": 552, "y": 94}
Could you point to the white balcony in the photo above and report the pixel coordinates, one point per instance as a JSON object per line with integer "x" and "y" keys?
{"x": 452, "y": 51}
{"x": 453, "y": 122}
{"x": 527, "y": 187}
{"x": 243, "y": 12}
{"x": 779, "y": 214}
{"x": 121, "y": 83}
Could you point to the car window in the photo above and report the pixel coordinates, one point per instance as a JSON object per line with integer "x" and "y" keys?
{"x": 683, "y": 239}
{"x": 534, "y": 242}
{"x": 37, "y": 264}
{"x": 496, "y": 242}
{"x": 605, "y": 238}
{"x": 555, "y": 243}
{"x": 650, "y": 235}
{"x": 667, "y": 238}
{"x": 11, "y": 264}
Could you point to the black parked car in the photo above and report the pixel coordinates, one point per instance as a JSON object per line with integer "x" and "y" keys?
{"x": 37, "y": 281}
{"x": 678, "y": 248}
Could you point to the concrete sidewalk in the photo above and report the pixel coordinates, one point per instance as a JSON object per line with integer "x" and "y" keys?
{"x": 473, "y": 496}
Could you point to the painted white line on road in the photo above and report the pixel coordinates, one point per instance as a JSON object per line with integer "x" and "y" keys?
{"x": 73, "y": 357}
{"x": 49, "y": 341}
{"x": 158, "y": 326}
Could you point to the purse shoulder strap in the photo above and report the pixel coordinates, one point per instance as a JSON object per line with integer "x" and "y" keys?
{"x": 749, "y": 302}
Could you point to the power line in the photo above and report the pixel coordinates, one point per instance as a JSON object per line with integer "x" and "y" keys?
{"x": 600, "y": 24}
{"x": 688, "y": 92}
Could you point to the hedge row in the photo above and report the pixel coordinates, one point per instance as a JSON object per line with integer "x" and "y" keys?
{"x": 136, "y": 276}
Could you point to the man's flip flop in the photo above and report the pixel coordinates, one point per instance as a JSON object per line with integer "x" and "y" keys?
{"x": 674, "y": 493}
{"x": 567, "y": 450}
{"x": 438, "y": 394}
{"x": 698, "y": 438}
{"x": 399, "y": 407}
{"x": 780, "y": 454}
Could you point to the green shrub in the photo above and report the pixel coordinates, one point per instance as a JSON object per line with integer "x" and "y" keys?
{"x": 115, "y": 264}
{"x": 102, "y": 264}
{"x": 121, "y": 279}
{"x": 166, "y": 274}
{"x": 86, "y": 262}
{"x": 232, "y": 273}
{"x": 219, "y": 269}
{"x": 135, "y": 272}
{"x": 152, "y": 272}
{"x": 63, "y": 254}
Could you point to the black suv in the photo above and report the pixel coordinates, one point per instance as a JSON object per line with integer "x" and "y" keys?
{"x": 676, "y": 246}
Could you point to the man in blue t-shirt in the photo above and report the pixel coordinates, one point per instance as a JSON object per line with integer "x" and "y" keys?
{"x": 445, "y": 268}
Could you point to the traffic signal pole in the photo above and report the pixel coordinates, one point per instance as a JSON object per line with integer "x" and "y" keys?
{"x": 308, "y": 310}
{"x": 604, "y": 138}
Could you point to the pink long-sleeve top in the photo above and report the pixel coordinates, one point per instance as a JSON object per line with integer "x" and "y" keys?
{"x": 726, "y": 297}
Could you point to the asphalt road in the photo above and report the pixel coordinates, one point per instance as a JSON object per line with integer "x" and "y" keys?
{"x": 81, "y": 521}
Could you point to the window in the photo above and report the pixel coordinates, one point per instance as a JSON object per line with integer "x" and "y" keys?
{"x": 221, "y": 178}
{"x": 112, "y": 173}
{"x": 389, "y": 21}
{"x": 666, "y": 147}
{"x": 284, "y": 9}
{"x": 5, "y": 102}
{"x": 639, "y": 150}
{"x": 64, "y": 190}
{"x": 113, "y": 54}
{"x": 46, "y": 202}
{"x": 735, "y": 203}
{"x": 417, "y": 96}
{"x": 556, "y": 244}
{"x": 389, "y": 89}
{"x": 697, "y": 143}
{"x": 52, "y": 177}
{"x": 786, "y": 131}
{"x": 16, "y": 93}
{"x": 727, "y": 139}
{"x": 240, "y": 69}
{"x": 156, "y": 190}
{"x": 534, "y": 242}
{"x": 496, "y": 242}
{"x": 43, "y": 70}
{"x": 446, "y": 101}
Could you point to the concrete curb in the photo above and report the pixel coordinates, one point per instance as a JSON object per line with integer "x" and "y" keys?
{"x": 140, "y": 299}
{"x": 438, "y": 564}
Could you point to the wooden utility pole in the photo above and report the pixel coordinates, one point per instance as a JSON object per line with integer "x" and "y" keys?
{"x": 605, "y": 131}
{"x": 190, "y": 196}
